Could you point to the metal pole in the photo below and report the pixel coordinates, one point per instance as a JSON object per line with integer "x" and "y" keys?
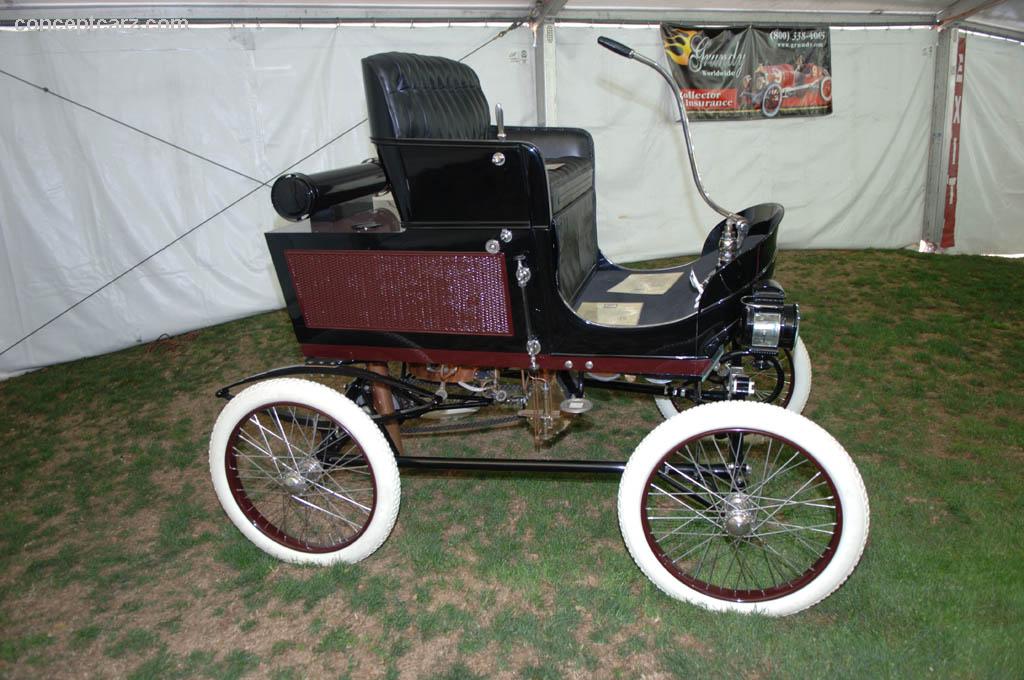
{"x": 543, "y": 27}
{"x": 544, "y": 74}
{"x": 938, "y": 143}
{"x": 511, "y": 464}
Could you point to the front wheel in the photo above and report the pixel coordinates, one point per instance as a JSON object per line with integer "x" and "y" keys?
{"x": 771, "y": 101}
{"x": 744, "y": 507}
{"x": 784, "y": 381}
{"x": 304, "y": 473}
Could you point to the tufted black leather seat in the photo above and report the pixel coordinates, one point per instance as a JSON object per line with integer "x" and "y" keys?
{"x": 569, "y": 178}
{"x": 412, "y": 96}
{"x": 418, "y": 97}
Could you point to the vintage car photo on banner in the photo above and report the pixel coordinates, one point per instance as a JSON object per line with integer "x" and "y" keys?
{"x": 751, "y": 72}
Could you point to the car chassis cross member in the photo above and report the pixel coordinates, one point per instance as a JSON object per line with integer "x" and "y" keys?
{"x": 488, "y": 289}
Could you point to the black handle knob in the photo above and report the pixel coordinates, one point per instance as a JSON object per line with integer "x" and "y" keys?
{"x": 616, "y": 47}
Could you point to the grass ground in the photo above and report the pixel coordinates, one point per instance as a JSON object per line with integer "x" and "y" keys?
{"x": 117, "y": 561}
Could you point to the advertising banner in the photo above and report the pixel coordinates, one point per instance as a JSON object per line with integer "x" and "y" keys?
{"x": 751, "y": 72}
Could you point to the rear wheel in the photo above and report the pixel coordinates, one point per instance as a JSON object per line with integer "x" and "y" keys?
{"x": 743, "y": 507}
{"x": 304, "y": 473}
{"x": 825, "y": 88}
{"x": 784, "y": 381}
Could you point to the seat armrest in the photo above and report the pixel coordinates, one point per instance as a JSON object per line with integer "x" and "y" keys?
{"x": 555, "y": 142}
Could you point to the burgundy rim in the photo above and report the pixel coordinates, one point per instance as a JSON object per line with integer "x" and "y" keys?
{"x": 776, "y": 569}
{"x": 326, "y": 514}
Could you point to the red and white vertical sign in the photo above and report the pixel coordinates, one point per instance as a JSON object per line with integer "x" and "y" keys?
{"x": 953, "y": 169}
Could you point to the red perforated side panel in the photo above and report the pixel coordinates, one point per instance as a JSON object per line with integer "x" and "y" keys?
{"x": 403, "y": 291}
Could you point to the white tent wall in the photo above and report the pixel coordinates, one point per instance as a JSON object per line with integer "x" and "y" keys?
{"x": 991, "y": 174}
{"x": 82, "y": 199}
{"x": 853, "y": 179}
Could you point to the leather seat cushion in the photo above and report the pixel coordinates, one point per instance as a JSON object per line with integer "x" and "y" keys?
{"x": 569, "y": 177}
{"x": 577, "y": 245}
{"x": 412, "y": 96}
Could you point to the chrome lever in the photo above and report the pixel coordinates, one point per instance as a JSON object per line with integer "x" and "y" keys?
{"x": 499, "y": 119}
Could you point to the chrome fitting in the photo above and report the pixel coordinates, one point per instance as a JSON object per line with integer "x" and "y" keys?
{"x": 523, "y": 274}
{"x": 728, "y": 242}
{"x": 739, "y": 385}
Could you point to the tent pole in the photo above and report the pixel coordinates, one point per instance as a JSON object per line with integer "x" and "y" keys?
{"x": 543, "y": 27}
{"x": 544, "y": 74}
{"x": 938, "y": 142}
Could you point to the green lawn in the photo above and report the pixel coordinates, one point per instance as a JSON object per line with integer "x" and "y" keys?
{"x": 118, "y": 561}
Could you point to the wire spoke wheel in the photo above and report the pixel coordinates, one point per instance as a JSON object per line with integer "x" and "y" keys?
{"x": 772, "y": 377}
{"x": 783, "y": 380}
{"x": 743, "y": 506}
{"x": 300, "y": 477}
{"x": 749, "y": 530}
{"x": 304, "y": 473}
{"x": 825, "y": 88}
{"x": 772, "y": 100}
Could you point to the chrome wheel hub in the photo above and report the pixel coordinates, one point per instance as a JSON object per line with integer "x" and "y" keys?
{"x": 298, "y": 480}
{"x": 739, "y": 515}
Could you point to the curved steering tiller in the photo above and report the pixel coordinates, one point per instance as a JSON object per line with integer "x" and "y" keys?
{"x": 736, "y": 225}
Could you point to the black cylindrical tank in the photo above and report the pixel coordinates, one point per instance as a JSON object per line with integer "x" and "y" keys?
{"x": 296, "y": 196}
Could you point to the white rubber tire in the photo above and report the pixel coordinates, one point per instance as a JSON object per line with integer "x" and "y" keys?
{"x": 802, "y": 375}
{"x": 801, "y": 384}
{"x": 344, "y": 412}
{"x": 813, "y": 439}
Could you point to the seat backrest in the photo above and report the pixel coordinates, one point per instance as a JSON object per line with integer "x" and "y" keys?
{"x": 412, "y": 96}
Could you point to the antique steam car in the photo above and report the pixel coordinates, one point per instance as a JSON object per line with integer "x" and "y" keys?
{"x": 488, "y": 290}
{"x": 802, "y": 84}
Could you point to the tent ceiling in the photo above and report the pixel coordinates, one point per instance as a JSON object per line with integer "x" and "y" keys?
{"x": 931, "y": 7}
{"x": 1006, "y": 18}
{"x": 1002, "y": 17}
{"x": 927, "y": 7}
